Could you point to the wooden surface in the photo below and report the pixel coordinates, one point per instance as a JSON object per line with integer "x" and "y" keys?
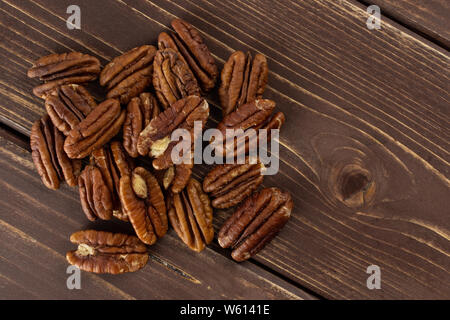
{"x": 430, "y": 17}
{"x": 367, "y": 118}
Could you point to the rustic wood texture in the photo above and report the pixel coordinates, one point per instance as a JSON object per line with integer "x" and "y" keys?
{"x": 430, "y": 17}
{"x": 364, "y": 150}
{"x": 35, "y": 226}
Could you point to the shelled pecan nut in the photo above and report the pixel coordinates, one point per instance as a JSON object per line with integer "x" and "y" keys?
{"x": 107, "y": 252}
{"x": 95, "y": 196}
{"x": 67, "y": 105}
{"x": 50, "y": 160}
{"x": 188, "y": 42}
{"x": 177, "y": 177}
{"x": 100, "y": 126}
{"x": 128, "y": 75}
{"x": 172, "y": 78}
{"x": 143, "y": 202}
{"x": 191, "y": 216}
{"x": 252, "y": 115}
{"x": 140, "y": 111}
{"x": 155, "y": 139}
{"x": 256, "y": 222}
{"x": 243, "y": 80}
{"x": 65, "y": 68}
{"x": 229, "y": 184}
{"x": 99, "y": 183}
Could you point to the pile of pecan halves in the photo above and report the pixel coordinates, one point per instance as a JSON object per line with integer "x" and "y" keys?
{"x": 133, "y": 122}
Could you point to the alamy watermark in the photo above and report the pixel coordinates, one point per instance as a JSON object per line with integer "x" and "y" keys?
{"x": 374, "y": 20}
{"x": 374, "y": 280}
{"x": 235, "y": 146}
{"x": 74, "y": 20}
{"x": 74, "y": 280}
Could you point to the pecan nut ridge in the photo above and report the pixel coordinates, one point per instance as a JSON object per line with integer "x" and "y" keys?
{"x": 67, "y": 105}
{"x": 144, "y": 204}
{"x": 59, "y": 69}
{"x": 256, "y": 222}
{"x": 99, "y": 127}
{"x": 253, "y": 115}
{"x": 191, "y": 216}
{"x": 195, "y": 51}
{"x": 95, "y": 195}
{"x": 113, "y": 163}
{"x": 140, "y": 111}
{"x": 106, "y": 252}
{"x": 50, "y": 160}
{"x": 172, "y": 78}
{"x": 229, "y": 184}
{"x": 188, "y": 42}
{"x": 243, "y": 80}
{"x": 126, "y": 76}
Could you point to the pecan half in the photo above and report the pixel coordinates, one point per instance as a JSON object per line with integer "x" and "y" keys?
{"x": 256, "y": 222}
{"x": 140, "y": 111}
{"x": 253, "y": 115}
{"x": 143, "y": 201}
{"x": 229, "y": 184}
{"x": 128, "y": 75}
{"x": 155, "y": 139}
{"x": 95, "y": 196}
{"x": 107, "y": 252}
{"x": 50, "y": 160}
{"x": 172, "y": 78}
{"x": 177, "y": 177}
{"x": 58, "y": 69}
{"x": 67, "y": 105}
{"x": 188, "y": 42}
{"x": 113, "y": 163}
{"x": 191, "y": 216}
{"x": 100, "y": 126}
{"x": 243, "y": 80}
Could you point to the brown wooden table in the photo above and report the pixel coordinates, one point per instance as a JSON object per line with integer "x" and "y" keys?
{"x": 375, "y": 102}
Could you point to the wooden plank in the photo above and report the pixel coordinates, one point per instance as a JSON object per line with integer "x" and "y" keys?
{"x": 429, "y": 17}
{"x": 35, "y": 225}
{"x": 374, "y": 101}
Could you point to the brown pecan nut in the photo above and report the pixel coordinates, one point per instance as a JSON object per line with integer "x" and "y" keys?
{"x": 256, "y": 222}
{"x": 188, "y": 42}
{"x": 107, "y": 252}
{"x": 95, "y": 196}
{"x": 100, "y": 126}
{"x": 243, "y": 80}
{"x": 67, "y": 105}
{"x": 191, "y": 216}
{"x": 172, "y": 78}
{"x": 229, "y": 184}
{"x": 177, "y": 177}
{"x": 113, "y": 163}
{"x": 252, "y": 115}
{"x": 155, "y": 139}
{"x": 58, "y": 69}
{"x": 128, "y": 75}
{"x": 50, "y": 160}
{"x": 143, "y": 201}
{"x": 140, "y": 111}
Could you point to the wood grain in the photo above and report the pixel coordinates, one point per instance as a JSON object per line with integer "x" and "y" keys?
{"x": 35, "y": 226}
{"x": 429, "y": 17}
{"x": 365, "y": 148}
